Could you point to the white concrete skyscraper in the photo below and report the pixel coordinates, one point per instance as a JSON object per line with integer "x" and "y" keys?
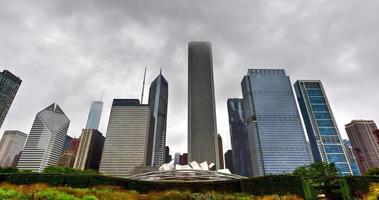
{"x": 202, "y": 127}
{"x": 11, "y": 145}
{"x": 46, "y": 139}
{"x": 94, "y": 115}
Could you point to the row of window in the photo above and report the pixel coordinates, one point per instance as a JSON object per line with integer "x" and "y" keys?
{"x": 327, "y": 131}
{"x": 336, "y": 158}
{"x": 314, "y": 92}
{"x": 330, "y": 139}
{"x": 333, "y": 148}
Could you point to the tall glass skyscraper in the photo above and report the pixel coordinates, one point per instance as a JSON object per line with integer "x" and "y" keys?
{"x": 45, "y": 141}
{"x": 242, "y": 164}
{"x": 323, "y": 134}
{"x": 158, "y": 98}
{"x": 351, "y": 158}
{"x": 275, "y": 133}
{"x": 9, "y": 85}
{"x": 202, "y": 127}
{"x": 94, "y": 115}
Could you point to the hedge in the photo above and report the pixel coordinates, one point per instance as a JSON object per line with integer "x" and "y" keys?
{"x": 360, "y": 185}
{"x": 273, "y": 184}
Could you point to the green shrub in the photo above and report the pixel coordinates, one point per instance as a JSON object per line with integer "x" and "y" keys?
{"x": 11, "y": 194}
{"x": 360, "y": 185}
{"x": 8, "y": 170}
{"x": 52, "y": 194}
{"x": 373, "y": 172}
{"x": 89, "y": 197}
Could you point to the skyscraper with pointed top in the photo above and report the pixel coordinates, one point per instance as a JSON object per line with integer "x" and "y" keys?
{"x": 46, "y": 139}
{"x": 158, "y": 99}
{"x": 202, "y": 127}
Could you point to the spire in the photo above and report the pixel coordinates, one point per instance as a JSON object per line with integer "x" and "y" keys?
{"x": 143, "y": 85}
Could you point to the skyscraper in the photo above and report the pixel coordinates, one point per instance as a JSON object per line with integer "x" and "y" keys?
{"x": 364, "y": 143}
{"x": 70, "y": 148}
{"x": 158, "y": 98}
{"x": 275, "y": 133}
{"x": 45, "y": 141}
{"x": 94, "y": 115}
{"x": 125, "y": 146}
{"x": 202, "y": 127}
{"x": 168, "y": 157}
{"x": 242, "y": 163}
{"x": 90, "y": 150}
{"x": 11, "y": 145}
{"x": 324, "y": 137}
{"x": 229, "y": 161}
{"x": 9, "y": 85}
{"x": 220, "y": 151}
{"x": 351, "y": 158}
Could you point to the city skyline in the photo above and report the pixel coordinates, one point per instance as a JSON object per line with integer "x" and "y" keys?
{"x": 47, "y": 46}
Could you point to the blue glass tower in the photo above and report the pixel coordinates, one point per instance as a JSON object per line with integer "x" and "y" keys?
{"x": 276, "y": 137}
{"x": 323, "y": 134}
{"x": 351, "y": 158}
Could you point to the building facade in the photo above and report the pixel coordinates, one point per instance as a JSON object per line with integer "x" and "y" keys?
{"x": 46, "y": 139}
{"x": 11, "y": 145}
{"x": 66, "y": 159}
{"x": 168, "y": 157}
{"x": 351, "y": 158}
{"x": 229, "y": 161}
{"x": 9, "y": 84}
{"x": 90, "y": 149}
{"x": 275, "y": 133}
{"x": 220, "y": 151}
{"x": 125, "y": 148}
{"x": 202, "y": 127}
{"x": 94, "y": 115}
{"x": 158, "y": 99}
{"x": 324, "y": 136}
{"x": 364, "y": 143}
{"x": 242, "y": 163}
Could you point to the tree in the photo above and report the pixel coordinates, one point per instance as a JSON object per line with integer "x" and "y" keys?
{"x": 8, "y": 170}
{"x": 317, "y": 169}
{"x": 67, "y": 170}
{"x": 372, "y": 172}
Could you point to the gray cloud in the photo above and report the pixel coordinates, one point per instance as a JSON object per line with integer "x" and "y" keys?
{"x": 70, "y": 51}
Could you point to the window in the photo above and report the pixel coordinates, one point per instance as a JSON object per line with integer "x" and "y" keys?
{"x": 317, "y": 100}
{"x": 327, "y": 131}
{"x": 330, "y": 139}
{"x": 313, "y": 92}
{"x": 323, "y": 115}
{"x": 333, "y": 148}
{"x": 336, "y": 158}
{"x": 320, "y": 108}
{"x": 325, "y": 123}
{"x": 342, "y": 167}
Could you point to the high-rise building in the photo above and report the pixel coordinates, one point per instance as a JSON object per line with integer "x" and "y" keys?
{"x": 242, "y": 162}
{"x": 229, "y": 161}
{"x": 364, "y": 143}
{"x": 90, "y": 150}
{"x": 125, "y": 146}
{"x": 202, "y": 127}
{"x": 94, "y": 115}
{"x": 11, "y": 145}
{"x": 70, "y": 148}
{"x": 220, "y": 151}
{"x": 275, "y": 132}
{"x": 351, "y": 158}
{"x": 9, "y": 85}
{"x": 168, "y": 157}
{"x": 45, "y": 141}
{"x": 177, "y": 158}
{"x": 183, "y": 160}
{"x": 324, "y": 136}
{"x": 158, "y": 98}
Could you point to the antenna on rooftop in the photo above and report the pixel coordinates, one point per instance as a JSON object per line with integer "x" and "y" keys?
{"x": 143, "y": 85}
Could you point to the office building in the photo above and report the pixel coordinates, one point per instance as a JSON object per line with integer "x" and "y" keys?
{"x": 275, "y": 131}
{"x": 11, "y": 145}
{"x": 242, "y": 162}
{"x": 9, "y": 85}
{"x": 66, "y": 159}
{"x": 220, "y": 151}
{"x": 46, "y": 139}
{"x": 94, "y": 115}
{"x": 67, "y": 142}
{"x": 158, "y": 98}
{"x": 364, "y": 143}
{"x": 229, "y": 161}
{"x": 125, "y": 146}
{"x": 90, "y": 150}
{"x": 183, "y": 159}
{"x": 351, "y": 158}
{"x": 324, "y": 136}
{"x": 168, "y": 157}
{"x": 202, "y": 127}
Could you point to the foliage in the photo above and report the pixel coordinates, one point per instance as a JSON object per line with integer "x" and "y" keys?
{"x": 53, "y": 194}
{"x": 360, "y": 185}
{"x": 373, "y": 172}
{"x": 317, "y": 169}
{"x": 374, "y": 192}
{"x": 345, "y": 189}
{"x": 8, "y": 170}
{"x": 67, "y": 170}
{"x": 11, "y": 194}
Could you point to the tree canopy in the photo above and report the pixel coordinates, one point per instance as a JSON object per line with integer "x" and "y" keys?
{"x": 317, "y": 169}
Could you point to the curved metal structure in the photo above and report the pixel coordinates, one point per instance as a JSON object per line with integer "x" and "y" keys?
{"x": 185, "y": 175}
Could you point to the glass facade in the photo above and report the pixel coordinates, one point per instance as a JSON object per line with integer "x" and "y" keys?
{"x": 94, "y": 115}
{"x": 323, "y": 134}
{"x": 9, "y": 85}
{"x": 276, "y": 136}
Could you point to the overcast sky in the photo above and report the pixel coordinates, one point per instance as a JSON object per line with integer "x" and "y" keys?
{"x": 70, "y": 51}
